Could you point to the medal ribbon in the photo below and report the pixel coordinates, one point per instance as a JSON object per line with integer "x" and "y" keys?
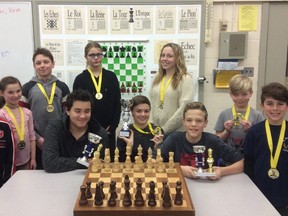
{"x": 20, "y": 131}
{"x": 144, "y": 132}
{"x": 163, "y": 88}
{"x": 274, "y": 160}
{"x": 96, "y": 85}
{"x": 49, "y": 100}
{"x": 247, "y": 112}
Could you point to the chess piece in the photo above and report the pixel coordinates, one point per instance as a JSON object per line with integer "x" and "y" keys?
{"x": 140, "y": 161}
{"x": 96, "y": 161}
{"x": 136, "y": 165}
{"x": 151, "y": 195}
{"x": 178, "y": 197}
{"x": 210, "y": 160}
{"x": 139, "y": 200}
{"x": 128, "y": 163}
{"x": 160, "y": 165}
{"x": 83, "y": 199}
{"x": 98, "y": 199}
{"x": 88, "y": 190}
{"x": 171, "y": 162}
{"x": 166, "y": 197}
{"x": 127, "y": 196}
{"x": 164, "y": 183}
{"x": 200, "y": 161}
{"x": 113, "y": 194}
{"x": 107, "y": 160}
{"x": 101, "y": 183}
{"x": 89, "y": 148}
{"x": 116, "y": 165}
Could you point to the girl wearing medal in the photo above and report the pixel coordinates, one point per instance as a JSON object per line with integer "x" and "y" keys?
{"x": 104, "y": 87}
{"x": 21, "y": 121}
{"x": 233, "y": 123}
{"x": 265, "y": 148}
{"x": 171, "y": 89}
{"x": 142, "y": 133}
{"x": 45, "y": 95}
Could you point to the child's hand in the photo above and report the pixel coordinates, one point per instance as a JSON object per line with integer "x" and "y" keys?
{"x": 246, "y": 125}
{"x": 33, "y": 164}
{"x": 217, "y": 171}
{"x": 129, "y": 139}
{"x": 189, "y": 172}
{"x": 228, "y": 125}
{"x": 157, "y": 139}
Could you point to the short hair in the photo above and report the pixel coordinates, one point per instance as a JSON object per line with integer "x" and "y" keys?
{"x": 78, "y": 95}
{"x": 276, "y": 91}
{"x": 7, "y": 81}
{"x": 240, "y": 83}
{"x": 196, "y": 106}
{"x": 44, "y": 52}
{"x": 139, "y": 99}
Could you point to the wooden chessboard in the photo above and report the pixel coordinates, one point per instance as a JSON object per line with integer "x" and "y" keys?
{"x": 107, "y": 176}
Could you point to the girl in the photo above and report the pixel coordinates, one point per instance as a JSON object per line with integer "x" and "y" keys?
{"x": 171, "y": 89}
{"x": 21, "y": 121}
{"x": 143, "y": 133}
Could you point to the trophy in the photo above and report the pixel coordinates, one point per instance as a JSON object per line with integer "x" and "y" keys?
{"x": 126, "y": 117}
{"x": 200, "y": 161}
{"x": 89, "y": 148}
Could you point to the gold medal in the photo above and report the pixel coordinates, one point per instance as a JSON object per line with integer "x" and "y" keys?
{"x": 50, "y": 108}
{"x": 273, "y": 173}
{"x": 21, "y": 145}
{"x": 237, "y": 119}
{"x": 98, "y": 96}
{"x": 161, "y": 105}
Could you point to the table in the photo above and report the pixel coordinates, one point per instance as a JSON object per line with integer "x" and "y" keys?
{"x": 34, "y": 193}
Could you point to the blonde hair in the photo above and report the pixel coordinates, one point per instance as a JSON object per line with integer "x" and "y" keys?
{"x": 181, "y": 68}
{"x": 240, "y": 83}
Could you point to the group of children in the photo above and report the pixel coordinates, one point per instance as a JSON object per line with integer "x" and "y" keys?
{"x": 243, "y": 140}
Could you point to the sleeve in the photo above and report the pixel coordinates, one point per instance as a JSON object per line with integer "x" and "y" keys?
{"x": 186, "y": 96}
{"x": 219, "y": 126}
{"x": 32, "y": 135}
{"x": 117, "y": 105}
{"x": 228, "y": 153}
{"x": 76, "y": 83}
{"x": 248, "y": 156}
{"x": 51, "y": 158}
{"x": 10, "y": 162}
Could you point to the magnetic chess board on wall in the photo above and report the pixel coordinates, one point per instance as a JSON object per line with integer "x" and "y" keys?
{"x": 186, "y": 209}
{"x": 127, "y": 61}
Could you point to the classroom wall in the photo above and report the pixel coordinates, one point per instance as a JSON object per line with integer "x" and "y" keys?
{"x": 217, "y": 100}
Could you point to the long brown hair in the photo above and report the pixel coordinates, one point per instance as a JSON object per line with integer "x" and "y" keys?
{"x": 181, "y": 68}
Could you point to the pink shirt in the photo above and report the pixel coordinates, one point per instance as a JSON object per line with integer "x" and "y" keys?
{"x": 22, "y": 156}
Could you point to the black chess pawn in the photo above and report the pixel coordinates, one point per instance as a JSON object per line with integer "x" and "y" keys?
{"x": 139, "y": 200}
{"x": 151, "y": 195}
{"x": 127, "y": 196}
{"x": 178, "y": 197}
{"x": 88, "y": 190}
{"x": 98, "y": 199}
{"x": 113, "y": 194}
{"x": 83, "y": 199}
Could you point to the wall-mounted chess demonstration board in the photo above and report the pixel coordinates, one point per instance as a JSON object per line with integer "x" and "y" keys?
{"x": 146, "y": 176}
{"x": 127, "y": 61}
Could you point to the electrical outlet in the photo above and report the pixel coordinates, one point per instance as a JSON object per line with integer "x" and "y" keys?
{"x": 248, "y": 71}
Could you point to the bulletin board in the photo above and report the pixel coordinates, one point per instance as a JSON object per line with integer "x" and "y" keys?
{"x": 16, "y": 40}
{"x": 132, "y": 36}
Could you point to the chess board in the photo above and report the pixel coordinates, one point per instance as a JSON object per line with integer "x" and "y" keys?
{"x": 127, "y": 61}
{"x": 171, "y": 178}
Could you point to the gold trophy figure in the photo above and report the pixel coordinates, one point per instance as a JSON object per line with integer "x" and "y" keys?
{"x": 89, "y": 148}
{"x": 126, "y": 117}
{"x": 200, "y": 161}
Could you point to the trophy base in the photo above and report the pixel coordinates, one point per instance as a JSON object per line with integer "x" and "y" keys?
{"x": 124, "y": 133}
{"x": 83, "y": 162}
{"x": 205, "y": 174}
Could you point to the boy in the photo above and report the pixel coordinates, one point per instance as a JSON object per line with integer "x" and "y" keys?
{"x": 233, "y": 123}
{"x": 266, "y": 148}
{"x": 7, "y": 152}
{"x": 69, "y": 136}
{"x": 181, "y": 143}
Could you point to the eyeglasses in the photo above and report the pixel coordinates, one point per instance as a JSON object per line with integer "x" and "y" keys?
{"x": 94, "y": 55}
